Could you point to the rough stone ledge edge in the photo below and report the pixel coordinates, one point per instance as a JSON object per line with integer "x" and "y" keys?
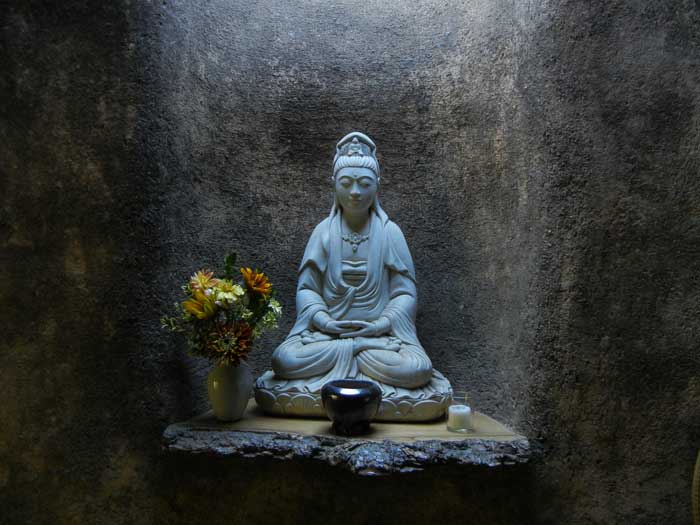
{"x": 367, "y": 458}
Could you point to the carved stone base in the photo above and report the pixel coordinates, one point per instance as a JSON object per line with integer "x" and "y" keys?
{"x": 291, "y": 398}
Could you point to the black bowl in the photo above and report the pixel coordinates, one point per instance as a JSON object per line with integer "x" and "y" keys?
{"x": 351, "y": 405}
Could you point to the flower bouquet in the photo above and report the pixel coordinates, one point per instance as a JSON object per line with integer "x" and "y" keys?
{"x": 222, "y": 318}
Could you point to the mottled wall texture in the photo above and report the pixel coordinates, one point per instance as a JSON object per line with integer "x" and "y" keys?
{"x": 542, "y": 159}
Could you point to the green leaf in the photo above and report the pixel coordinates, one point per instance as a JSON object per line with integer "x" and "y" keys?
{"x": 229, "y": 263}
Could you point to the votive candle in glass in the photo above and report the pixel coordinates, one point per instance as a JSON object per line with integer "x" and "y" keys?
{"x": 459, "y": 418}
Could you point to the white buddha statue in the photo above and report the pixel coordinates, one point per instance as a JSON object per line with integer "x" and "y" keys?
{"x": 356, "y": 307}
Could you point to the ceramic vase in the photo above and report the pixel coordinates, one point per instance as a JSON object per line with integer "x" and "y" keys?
{"x": 229, "y": 390}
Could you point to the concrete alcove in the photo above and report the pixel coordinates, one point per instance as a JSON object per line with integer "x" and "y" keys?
{"x": 257, "y": 100}
{"x": 540, "y": 158}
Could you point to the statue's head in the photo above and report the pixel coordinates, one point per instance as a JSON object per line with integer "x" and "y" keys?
{"x": 356, "y": 173}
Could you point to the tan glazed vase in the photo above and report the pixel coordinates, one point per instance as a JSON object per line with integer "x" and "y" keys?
{"x": 229, "y": 390}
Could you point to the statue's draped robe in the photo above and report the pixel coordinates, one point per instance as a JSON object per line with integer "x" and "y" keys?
{"x": 308, "y": 358}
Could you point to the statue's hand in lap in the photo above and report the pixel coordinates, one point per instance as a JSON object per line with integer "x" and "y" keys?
{"x": 326, "y": 324}
{"x": 372, "y": 329}
{"x": 341, "y": 328}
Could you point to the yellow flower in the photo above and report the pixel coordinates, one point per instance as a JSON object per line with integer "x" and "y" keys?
{"x": 203, "y": 280}
{"x": 227, "y": 287}
{"x": 227, "y": 293}
{"x": 202, "y": 306}
{"x": 257, "y": 281}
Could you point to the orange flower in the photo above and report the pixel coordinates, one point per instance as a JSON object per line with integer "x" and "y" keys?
{"x": 257, "y": 281}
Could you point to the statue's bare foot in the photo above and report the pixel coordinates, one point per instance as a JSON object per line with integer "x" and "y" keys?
{"x": 391, "y": 344}
{"x": 307, "y": 337}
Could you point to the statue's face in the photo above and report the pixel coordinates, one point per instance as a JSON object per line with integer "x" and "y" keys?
{"x": 355, "y": 188}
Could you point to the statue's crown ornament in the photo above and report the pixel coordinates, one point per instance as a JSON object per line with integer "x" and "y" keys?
{"x": 356, "y": 149}
{"x": 355, "y": 143}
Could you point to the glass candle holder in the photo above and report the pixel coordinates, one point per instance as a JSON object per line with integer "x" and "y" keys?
{"x": 459, "y": 414}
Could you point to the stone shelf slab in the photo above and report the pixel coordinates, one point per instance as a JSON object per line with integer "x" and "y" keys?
{"x": 389, "y": 448}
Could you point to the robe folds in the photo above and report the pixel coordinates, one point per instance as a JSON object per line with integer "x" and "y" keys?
{"x": 309, "y": 358}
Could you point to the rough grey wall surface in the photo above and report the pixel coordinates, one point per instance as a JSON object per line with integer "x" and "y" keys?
{"x": 542, "y": 160}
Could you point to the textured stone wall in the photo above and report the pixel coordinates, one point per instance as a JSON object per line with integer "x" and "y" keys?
{"x": 542, "y": 160}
